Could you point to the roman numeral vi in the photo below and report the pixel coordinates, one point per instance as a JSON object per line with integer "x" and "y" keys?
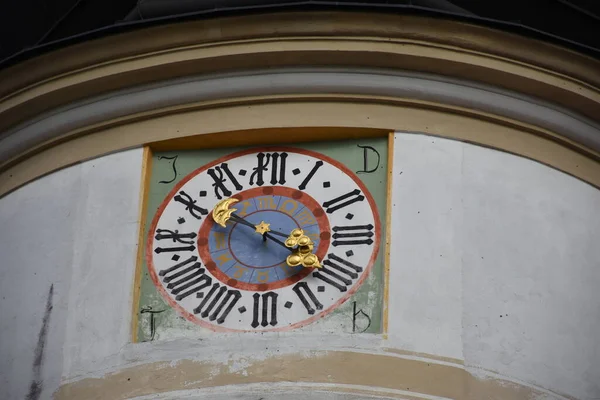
{"x": 264, "y": 310}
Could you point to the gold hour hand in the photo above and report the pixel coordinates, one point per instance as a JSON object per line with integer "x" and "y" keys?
{"x": 306, "y": 259}
{"x": 303, "y": 254}
{"x": 298, "y": 238}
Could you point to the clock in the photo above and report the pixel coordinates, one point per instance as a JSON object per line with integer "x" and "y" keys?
{"x": 229, "y": 277}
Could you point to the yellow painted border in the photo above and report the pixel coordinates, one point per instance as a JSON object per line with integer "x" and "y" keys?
{"x": 278, "y": 112}
{"x": 388, "y": 234}
{"x": 267, "y": 136}
{"x": 416, "y": 378}
{"x": 143, "y": 203}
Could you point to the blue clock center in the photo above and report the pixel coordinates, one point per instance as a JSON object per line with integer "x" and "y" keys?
{"x": 249, "y": 248}
{"x": 238, "y": 255}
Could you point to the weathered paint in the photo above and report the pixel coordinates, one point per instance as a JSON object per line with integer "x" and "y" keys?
{"x": 36, "y": 250}
{"x": 68, "y": 245}
{"x": 36, "y": 387}
{"x": 344, "y": 367}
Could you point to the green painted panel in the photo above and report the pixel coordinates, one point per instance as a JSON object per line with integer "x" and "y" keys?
{"x": 363, "y": 312}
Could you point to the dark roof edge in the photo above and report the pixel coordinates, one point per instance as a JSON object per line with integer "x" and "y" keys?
{"x": 272, "y": 7}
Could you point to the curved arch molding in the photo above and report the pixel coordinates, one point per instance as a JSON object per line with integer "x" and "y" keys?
{"x": 370, "y": 72}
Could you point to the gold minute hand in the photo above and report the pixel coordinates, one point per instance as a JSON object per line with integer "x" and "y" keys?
{"x": 221, "y": 212}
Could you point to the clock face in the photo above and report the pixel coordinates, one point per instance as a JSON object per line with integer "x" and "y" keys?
{"x": 231, "y": 278}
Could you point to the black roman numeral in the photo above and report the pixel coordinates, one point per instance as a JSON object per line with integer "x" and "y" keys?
{"x": 352, "y": 235}
{"x": 176, "y": 237}
{"x": 343, "y": 201}
{"x": 338, "y": 272}
{"x": 194, "y": 281}
{"x": 217, "y": 308}
{"x": 310, "y": 175}
{"x": 277, "y": 161}
{"x": 190, "y": 205}
{"x": 298, "y": 288}
{"x": 221, "y": 189}
{"x": 264, "y": 309}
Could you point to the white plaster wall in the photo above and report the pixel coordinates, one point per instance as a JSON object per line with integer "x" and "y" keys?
{"x": 37, "y": 232}
{"x": 496, "y": 260}
{"x": 476, "y": 234}
{"x": 104, "y": 260}
{"x": 531, "y": 272}
{"x": 70, "y": 231}
{"x": 425, "y": 259}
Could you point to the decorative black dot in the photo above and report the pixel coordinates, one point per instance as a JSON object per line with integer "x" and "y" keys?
{"x": 242, "y": 172}
{"x": 200, "y": 295}
{"x": 288, "y": 304}
{"x": 203, "y": 193}
{"x": 349, "y": 253}
{"x": 296, "y": 171}
{"x": 181, "y": 220}
{"x": 242, "y": 309}
{"x": 320, "y": 288}
{"x": 326, "y": 184}
{"x": 349, "y": 216}
{"x": 175, "y": 257}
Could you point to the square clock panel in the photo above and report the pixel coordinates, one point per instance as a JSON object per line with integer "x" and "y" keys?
{"x": 261, "y": 239}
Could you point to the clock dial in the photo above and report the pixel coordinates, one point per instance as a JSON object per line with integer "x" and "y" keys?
{"x": 240, "y": 258}
{"x": 230, "y": 278}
